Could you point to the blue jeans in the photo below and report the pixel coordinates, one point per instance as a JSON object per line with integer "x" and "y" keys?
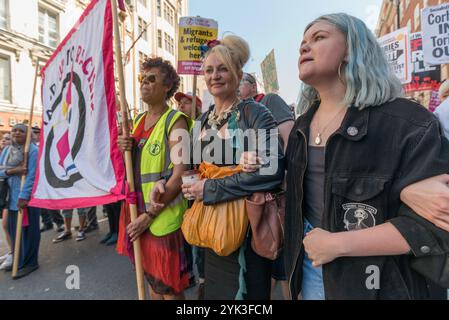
{"x": 312, "y": 279}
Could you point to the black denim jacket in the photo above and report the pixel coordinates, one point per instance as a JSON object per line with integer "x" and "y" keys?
{"x": 373, "y": 155}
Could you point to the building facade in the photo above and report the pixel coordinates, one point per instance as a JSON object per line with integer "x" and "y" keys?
{"x": 32, "y": 29}
{"x": 155, "y": 24}
{"x": 396, "y": 14}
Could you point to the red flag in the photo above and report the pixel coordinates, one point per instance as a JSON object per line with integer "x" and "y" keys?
{"x": 121, "y": 5}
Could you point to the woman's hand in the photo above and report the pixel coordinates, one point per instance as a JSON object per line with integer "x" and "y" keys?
{"x": 195, "y": 190}
{"x": 140, "y": 225}
{"x": 250, "y": 162}
{"x": 19, "y": 170}
{"x": 125, "y": 143}
{"x": 156, "y": 194}
{"x": 430, "y": 199}
{"x": 322, "y": 246}
{"x": 22, "y": 203}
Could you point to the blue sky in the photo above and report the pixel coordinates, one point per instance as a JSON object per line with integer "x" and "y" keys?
{"x": 278, "y": 24}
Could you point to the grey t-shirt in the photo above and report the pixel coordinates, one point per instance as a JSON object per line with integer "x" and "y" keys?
{"x": 278, "y": 107}
{"x": 314, "y": 186}
{"x": 442, "y": 113}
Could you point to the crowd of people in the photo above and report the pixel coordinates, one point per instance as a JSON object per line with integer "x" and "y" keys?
{"x": 36, "y": 220}
{"x": 364, "y": 172}
{"x": 358, "y": 165}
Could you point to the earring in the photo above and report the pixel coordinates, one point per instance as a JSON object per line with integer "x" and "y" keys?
{"x": 339, "y": 71}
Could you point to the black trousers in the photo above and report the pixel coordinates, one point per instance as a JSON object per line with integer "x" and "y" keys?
{"x": 113, "y": 211}
{"x": 51, "y": 216}
{"x": 92, "y": 217}
{"x": 31, "y": 237}
{"x": 223, "y": 275}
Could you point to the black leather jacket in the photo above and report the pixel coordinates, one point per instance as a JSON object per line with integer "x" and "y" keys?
{"x": 375, "y": 154}
{"x": 252, "y": 116}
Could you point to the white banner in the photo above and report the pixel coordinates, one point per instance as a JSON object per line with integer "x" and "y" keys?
{"x": 435, "y": 28}
{"x": 79, "y": 162}
{"x": 396, "y": 46}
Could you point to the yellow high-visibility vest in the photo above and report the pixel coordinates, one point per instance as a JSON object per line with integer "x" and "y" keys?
{"x": 155, "y": 163}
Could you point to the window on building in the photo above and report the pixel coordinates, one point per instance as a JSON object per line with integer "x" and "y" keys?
{"x": 4, "y": 14}
{"x": 48, "y": 28}
{"x": 172, "y": 45}
{"x": 143, "y": 2}
{"x": 169, "y": 43}
{"x": 169, "y": 14}
{"x": 142, "y": 58}
{"x": 407, "y": 4}
{"x": 142, "y": 25}
{"x": 159, "y": 8}
{"x": 166, "y": 41}
{"x": 159, "y": 38}
{"x": 417, "y": 16}
{"x": 5, "y": 79}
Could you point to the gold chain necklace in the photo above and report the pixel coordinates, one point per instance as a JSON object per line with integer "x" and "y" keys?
{"x": 318, "y": 139}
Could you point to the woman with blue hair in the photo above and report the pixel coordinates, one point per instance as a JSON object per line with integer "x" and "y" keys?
{"x": 357, "y": 145}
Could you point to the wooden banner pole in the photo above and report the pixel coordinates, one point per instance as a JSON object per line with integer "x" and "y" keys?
{"x": 26, "y": 152}
{"x": 128, "y": 159}
{"x": 195, "y": 81}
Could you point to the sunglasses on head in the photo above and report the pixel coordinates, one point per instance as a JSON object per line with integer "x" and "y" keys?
{"x": 149, "y": 77}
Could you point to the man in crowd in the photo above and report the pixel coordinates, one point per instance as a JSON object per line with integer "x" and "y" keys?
{"x": 285, "y": 120}
{"x": 442, "y": 111}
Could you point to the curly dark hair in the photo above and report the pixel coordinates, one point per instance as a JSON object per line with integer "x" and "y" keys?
{"x": 171, "y": 77}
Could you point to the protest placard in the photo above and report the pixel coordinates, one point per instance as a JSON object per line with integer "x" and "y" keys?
{"x": 269, "y": 73}
{"x": 435, "y": 26}
{"x": 397, "y": 50}
{"x": 424, "y": 76}
{"x": 193, "y": 32}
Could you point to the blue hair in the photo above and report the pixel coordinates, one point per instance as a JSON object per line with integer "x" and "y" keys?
{"x": 368, "y": 77}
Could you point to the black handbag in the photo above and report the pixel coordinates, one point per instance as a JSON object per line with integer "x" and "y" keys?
{"x": 3, "y": 193}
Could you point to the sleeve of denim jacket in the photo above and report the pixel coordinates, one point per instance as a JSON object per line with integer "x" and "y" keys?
{"x": 25, "y": 193}
{"x": 240, "y": 185}
{"x": 429, "y": 245}
{"x": 2, "y": 160}
{"x": 426, "y": 155}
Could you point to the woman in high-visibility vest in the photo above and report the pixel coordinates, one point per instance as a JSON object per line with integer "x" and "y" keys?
{"x": 152, "y": 139}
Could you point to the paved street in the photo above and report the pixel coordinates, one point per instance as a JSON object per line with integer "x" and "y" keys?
{"x": 103, "y": 273}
